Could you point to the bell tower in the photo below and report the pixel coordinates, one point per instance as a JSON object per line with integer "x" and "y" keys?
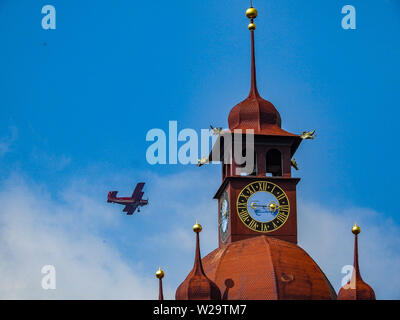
{"x": 262, "y": 200}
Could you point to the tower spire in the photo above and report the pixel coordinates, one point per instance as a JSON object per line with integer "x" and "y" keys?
{"x": 251, "y": 13}
{"x": 197, "y": 267}
{"x": 160, "y": 275}
{"x": 356, "y": 230}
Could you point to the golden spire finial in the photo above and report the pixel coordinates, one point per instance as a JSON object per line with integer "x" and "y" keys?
{"x": 356, "y": 229}
{"x": 159, "y": 273}
{"x": 251, "y": 13}
{"x": 197, "y": 227}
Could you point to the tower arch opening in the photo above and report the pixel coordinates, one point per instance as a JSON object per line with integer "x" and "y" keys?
{"x": 274, "y": 163}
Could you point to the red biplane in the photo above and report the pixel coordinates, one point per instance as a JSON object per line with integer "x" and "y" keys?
{"x": 131, "y": 203}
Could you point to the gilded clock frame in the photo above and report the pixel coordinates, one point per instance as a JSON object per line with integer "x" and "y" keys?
{"x": 275, "y": 186}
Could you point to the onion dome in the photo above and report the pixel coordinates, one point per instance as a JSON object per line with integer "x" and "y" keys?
{"x": 159, "y": 276}
{"x": 356, "y": 288}
{"x": 197, "y": 286}
{"x": 266, "y": 268}
{"x": 255, "y": 112}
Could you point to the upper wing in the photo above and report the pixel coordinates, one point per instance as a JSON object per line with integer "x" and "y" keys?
{"x": 137, "y": 193}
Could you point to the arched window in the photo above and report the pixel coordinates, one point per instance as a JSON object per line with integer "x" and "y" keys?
{"x": 274, "y": 163}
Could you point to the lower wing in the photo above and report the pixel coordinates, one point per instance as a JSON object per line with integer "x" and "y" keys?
{"x": 130, "y": 209}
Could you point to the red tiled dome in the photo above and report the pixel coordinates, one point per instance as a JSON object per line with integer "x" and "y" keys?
{"x": 266, "y": 268}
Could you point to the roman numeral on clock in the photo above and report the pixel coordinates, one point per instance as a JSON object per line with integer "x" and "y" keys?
{"x": 284, "y": 207}
{"x": 242, "y": 205}
{"x": 281, "y": 196}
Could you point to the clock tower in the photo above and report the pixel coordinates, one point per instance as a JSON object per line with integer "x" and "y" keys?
{"x": 257, "y": 256}
{"x": 262, "y": 200}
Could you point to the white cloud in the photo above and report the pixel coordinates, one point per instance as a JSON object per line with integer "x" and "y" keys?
{"x": 181, "y": 199}
{"x": 101, "y": 253}
{"x": 325, "y": 233}
{"x": 36, "y": 231}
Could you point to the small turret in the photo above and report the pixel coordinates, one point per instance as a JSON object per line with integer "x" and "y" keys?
{"x": 197, "y": 286}
{"x": 356, "y": 288}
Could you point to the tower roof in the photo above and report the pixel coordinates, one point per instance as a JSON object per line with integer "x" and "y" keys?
{"x": 356, "y": 288}
{"x": 197, "y": 286}
{"x": 266, "y": 268}
{"x": 255, "y": 112}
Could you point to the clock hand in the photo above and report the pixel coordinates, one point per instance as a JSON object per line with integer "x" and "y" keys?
{"x": 272, "y": 206}
{"x": 253, "y": 205}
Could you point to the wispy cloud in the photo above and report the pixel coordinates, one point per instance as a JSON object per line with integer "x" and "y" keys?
{"x": 51, "y": 161}
{"x": 36, "y": 231}
{"x": 99, "y": 252}
{"x": 6, "y": 142}
{"x": 326, "y": 235}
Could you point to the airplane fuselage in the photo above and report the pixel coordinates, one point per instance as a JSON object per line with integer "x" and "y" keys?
{"x": 131, "y": 203}
{"x": 127, "y": 200}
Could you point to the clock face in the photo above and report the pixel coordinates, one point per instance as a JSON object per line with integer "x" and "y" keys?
{"x": 263, "y": 206}
{"x": 224, "y": 215}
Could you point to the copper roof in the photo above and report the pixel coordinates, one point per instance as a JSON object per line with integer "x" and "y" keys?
{"x": 266, "y": 268}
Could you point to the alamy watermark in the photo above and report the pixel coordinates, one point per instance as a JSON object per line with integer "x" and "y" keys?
{"x": 49, "y": 280}
{"x": 348, "y": 281}
{"x": 349, "y": 20}
{"x": 185, "y": 147}
{"x": 49, "y": 20}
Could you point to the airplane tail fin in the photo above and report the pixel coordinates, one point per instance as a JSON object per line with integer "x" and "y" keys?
{"x": 111, "y": 195}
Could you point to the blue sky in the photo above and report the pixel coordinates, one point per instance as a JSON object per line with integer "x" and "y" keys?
{"x": 76, "y": 104}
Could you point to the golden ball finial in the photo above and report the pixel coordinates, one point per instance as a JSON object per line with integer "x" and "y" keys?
{"x": 159, "y": 273}
{"x": 251, "y": 13}
{"x": 356, "y": 229}
{"x": 197, "y": 227}
{"x": 252, "y": 26}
